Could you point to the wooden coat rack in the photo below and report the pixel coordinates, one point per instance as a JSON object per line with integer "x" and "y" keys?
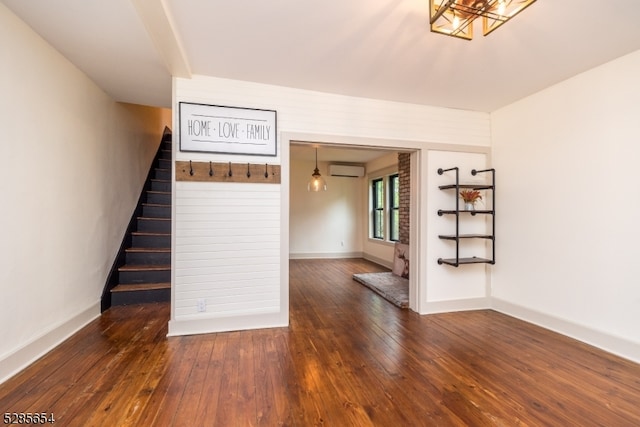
{"x": 261, "y": 173}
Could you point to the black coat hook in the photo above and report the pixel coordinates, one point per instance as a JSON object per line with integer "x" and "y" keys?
{"x": 266, "y": 172}
{"x": 190, "y": 168}
{"x": 230, "y": 173}
{"x": 248, "y": 171}
{"x": 210, "y": 169}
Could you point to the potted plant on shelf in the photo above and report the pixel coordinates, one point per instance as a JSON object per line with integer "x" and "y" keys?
{"x": 470, "y": 197}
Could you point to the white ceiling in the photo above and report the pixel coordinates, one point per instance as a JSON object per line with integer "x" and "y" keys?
{"x": 368, "y": 48}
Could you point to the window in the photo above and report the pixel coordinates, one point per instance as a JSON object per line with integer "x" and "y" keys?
{"x": 394, "y": 208}
{"x": 377, "y": 211}
{"x": 385, "y": 208}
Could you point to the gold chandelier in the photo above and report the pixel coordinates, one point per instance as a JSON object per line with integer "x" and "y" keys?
{"x": 455, "y": 17}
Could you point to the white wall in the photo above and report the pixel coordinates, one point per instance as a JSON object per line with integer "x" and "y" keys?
{"x": 325, "y": 224}
{"x": 302, "y": 116}
{"x": 466, "y": 286}
{"x": 74, "y": 164}
{"x": 567, "y": 198}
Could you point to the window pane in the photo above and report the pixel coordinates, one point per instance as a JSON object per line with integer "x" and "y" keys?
{"x": 377, "y": 204}
{"x": 395, "y": 225}
{"x": 394, "y": 204}
{"x": 379, "y": 194}
{"x": 378, "y": 224}
{"x": 395, "y": 191}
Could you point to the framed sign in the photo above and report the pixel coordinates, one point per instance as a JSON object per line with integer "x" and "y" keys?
{"x": 231, "y": 130}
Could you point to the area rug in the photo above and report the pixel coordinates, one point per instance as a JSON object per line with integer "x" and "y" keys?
{"x": 391, "y": 287}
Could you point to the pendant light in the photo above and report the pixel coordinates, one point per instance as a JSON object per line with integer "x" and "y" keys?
{"x": 317, "y": 182}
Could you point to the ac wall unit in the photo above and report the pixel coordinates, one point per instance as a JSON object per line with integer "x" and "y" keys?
{"x": 353, "y": 171}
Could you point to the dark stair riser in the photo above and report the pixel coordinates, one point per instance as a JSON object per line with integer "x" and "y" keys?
{"x": 161, "y": 198}
{"x": 148, "y": 258}
{"x": 164, "y": 163}
{"x": 145, "y": 276}
{"x": 160, "y": 185}
{"x": 165, "y": 153}
{"x": 162, "y": 174}
{"x": 151, "y": 241}
{"x": 156, "y": 211}
{"x": 139, "y": 297}
{"x": 153, "y": 225}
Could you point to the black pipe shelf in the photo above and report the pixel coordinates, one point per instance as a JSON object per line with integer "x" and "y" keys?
{"x": 466, "y": 236}
{"x": 457, "y": 186}
{"x": 462, "y": 261}
{"x": 467, "y": 186}
{"x": 473, "y": 212}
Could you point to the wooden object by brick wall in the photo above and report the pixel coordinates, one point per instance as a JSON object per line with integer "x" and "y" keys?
{"x": 404, "y": 175}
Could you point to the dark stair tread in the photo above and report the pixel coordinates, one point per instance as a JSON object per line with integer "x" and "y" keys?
{"x": 142, "y": 250}
{"x": 158, "y": 205}
{"x": 140, "y": 287}
{"x": 160, "y": 180}
{"x": 154, "y": 218}
{"x": 149, "y": 233}
{"x": 144, "y": 267}
{"x": 159, "y": 192}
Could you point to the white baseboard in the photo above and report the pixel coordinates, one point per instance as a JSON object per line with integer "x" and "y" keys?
{"x": 379, "y": 261}
{"x": 607, "y": 342}
{"x": 19, "y": 359}
{"x": 342, "y": 255}
{"x": 468, "y": 304}
{"x": 209, "y": 325}
{"x": 325, "y": 255}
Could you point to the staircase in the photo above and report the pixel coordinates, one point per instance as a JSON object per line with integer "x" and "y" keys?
{"x": 146, "y": 273}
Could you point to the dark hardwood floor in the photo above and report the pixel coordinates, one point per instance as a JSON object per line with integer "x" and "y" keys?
{"x": 349, "y": 358}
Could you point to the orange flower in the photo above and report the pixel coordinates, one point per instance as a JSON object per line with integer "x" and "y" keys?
{"x": 470, "y": 196}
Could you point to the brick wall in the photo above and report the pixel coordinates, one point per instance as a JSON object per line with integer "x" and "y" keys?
{"x": 404, "y": 175}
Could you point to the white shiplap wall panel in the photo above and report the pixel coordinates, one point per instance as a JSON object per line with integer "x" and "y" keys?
{"x": 185, "y": 259}
{"x": 227, "y": 244}
{"x": 239, "y": 240}
{"x": 210, "y": 269}
{"x": 198, "y": 196}
{"x": 242, "y": 250}
{"x": 230, "y": 262}
{"x": 213, "y": 286}
{"x": 316, "y": 112}
{"x": 232, "y": 218}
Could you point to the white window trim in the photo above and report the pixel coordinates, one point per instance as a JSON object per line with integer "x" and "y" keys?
{"x": 384, "y": 174}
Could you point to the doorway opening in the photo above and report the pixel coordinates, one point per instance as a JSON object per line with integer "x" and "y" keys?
{"x": 340, "y": 222}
